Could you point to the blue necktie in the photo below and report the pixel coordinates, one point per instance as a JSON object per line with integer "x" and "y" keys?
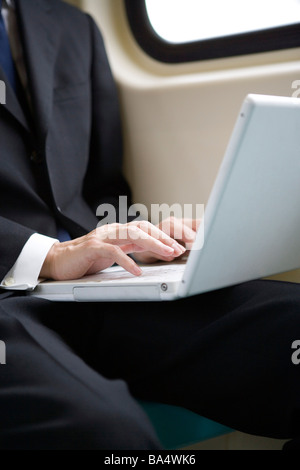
{"x": 6, "y": 60}
{"x": 62, "y": 234}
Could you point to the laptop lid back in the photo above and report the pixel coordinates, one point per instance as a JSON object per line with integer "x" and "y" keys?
{"x": 252, "y": 219}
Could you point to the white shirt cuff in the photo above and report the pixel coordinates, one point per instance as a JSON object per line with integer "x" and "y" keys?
{"x": 24, "y": 275}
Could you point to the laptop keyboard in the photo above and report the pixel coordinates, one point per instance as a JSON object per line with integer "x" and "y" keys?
{"x": 155, "y": 273}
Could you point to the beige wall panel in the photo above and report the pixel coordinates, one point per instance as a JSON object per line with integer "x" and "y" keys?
{"x": 177, "y": 119}
{"x": 76, "y": 3}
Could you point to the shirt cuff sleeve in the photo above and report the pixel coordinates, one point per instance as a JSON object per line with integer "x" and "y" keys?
{"x": 24, "y": 275}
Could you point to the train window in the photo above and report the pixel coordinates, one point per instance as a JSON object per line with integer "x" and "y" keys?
{"x": 187, "y": 30}
{"x": 180, "y": 21}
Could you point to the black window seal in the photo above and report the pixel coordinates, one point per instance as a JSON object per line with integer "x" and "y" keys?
{"x": 272, "y": 39}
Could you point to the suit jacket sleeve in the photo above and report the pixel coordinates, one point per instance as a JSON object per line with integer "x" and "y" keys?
{"x": 106, "y": 149}
{"x": 98, "y": 176}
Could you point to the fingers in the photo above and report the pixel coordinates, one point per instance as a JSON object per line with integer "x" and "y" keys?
{"x": 194, "y": 224}
{"x": 116, "y": 255}
{"x": 144, "y": 235}
{"x": 183, "y": 230}
{"x": 111, "y": 244}
{"x": 86, "y": 255}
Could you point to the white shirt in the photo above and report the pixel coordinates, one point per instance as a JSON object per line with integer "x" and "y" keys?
{"x": 24, "y": 275}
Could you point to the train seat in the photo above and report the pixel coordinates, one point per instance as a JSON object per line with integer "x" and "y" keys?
{"x": 177, "y": 427}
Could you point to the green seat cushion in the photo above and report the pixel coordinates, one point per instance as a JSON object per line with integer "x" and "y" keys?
{"x": 177, "y": 427}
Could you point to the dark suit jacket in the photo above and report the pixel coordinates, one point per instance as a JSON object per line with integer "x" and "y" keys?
{"x": 66, "y": 162}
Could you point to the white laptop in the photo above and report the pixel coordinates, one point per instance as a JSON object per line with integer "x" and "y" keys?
{"x": 251, "y": 226}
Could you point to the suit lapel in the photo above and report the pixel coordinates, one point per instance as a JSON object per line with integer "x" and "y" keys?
{"x": 40, "y": 38}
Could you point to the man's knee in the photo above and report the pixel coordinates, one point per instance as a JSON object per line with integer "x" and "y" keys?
{"x": 63, "y": 404}
{"x": 119, "y": 428}
{"x": 109, "y": 423}
{"x": 92, "y": 423}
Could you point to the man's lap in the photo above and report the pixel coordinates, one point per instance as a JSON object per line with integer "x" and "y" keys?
{"x": 51, "y": 399}
{"x": 226, "y": 355}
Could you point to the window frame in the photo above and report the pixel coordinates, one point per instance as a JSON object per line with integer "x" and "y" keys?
{"x": 271, "y": 39}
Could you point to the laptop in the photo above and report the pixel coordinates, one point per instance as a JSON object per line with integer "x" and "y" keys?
{"x": 251, "y": 226}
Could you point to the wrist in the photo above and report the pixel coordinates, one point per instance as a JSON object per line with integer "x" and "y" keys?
{"x": 47, "y": 270}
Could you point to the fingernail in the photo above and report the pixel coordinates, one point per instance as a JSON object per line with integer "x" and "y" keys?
{"x": 179, "y": 248}
{"x": 137, "y": 270}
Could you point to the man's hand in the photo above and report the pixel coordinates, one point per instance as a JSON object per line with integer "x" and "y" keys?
{"x": 108, "y": 245}
{"x": 183, "y": 230}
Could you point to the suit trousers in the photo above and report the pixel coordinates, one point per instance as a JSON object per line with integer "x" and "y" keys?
{"x": 74, "y": 372}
